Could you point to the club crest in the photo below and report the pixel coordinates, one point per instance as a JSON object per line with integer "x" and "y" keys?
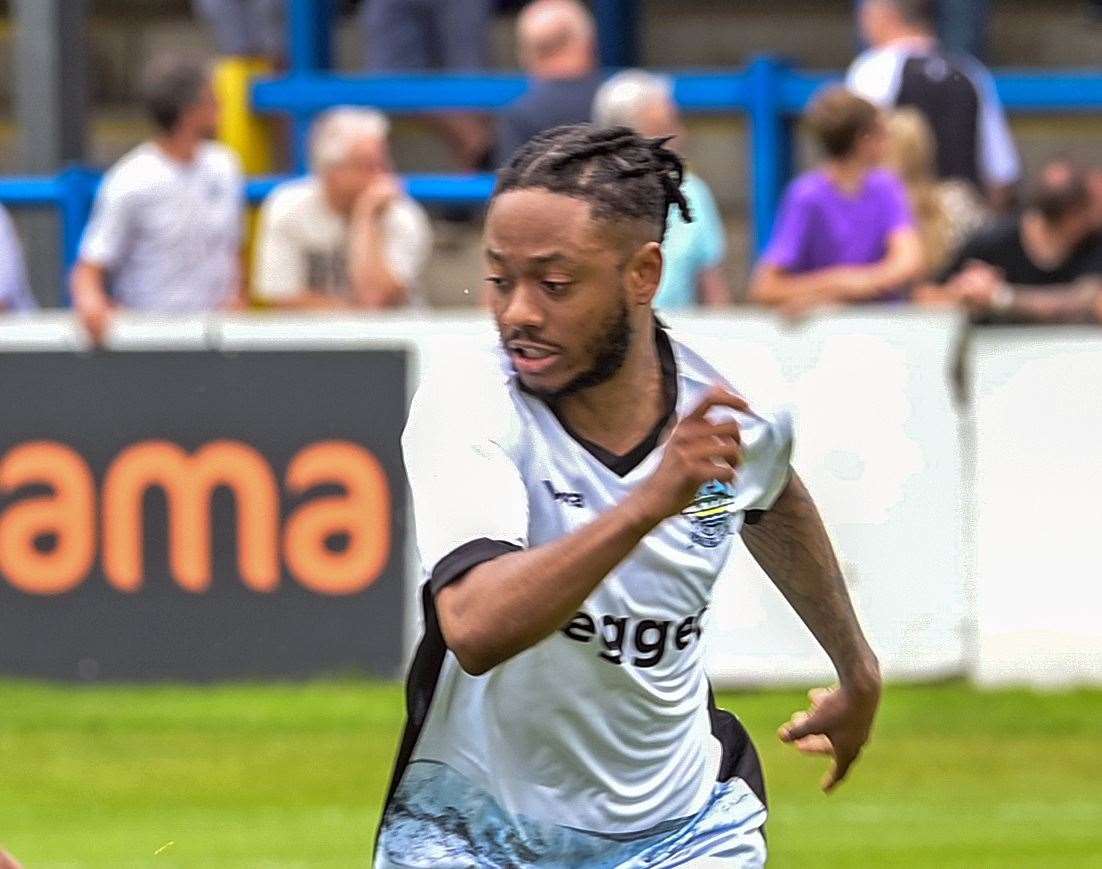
{"x": 710, "y": 513}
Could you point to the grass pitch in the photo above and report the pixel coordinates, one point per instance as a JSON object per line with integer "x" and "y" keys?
{"x": 293, "y": 776}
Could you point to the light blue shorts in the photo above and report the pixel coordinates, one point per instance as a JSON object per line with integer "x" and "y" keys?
{"x": 438, "y": 819}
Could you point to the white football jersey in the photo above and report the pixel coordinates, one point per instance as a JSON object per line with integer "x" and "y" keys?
{"x": 606, "y": 726}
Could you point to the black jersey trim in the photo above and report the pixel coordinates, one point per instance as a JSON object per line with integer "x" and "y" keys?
{"x": 738, "y": 758}
{"x": 622, "y": 465}
{"x": 460, "y": 560}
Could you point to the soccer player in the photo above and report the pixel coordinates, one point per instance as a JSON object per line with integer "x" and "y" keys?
{"x": 575, "y": 499}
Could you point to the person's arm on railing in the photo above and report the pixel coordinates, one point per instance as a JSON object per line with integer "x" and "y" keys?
{"x": 982, "y": 290}
{"x": 902, "y": 264}
{"x": 88, "y": 290}
{"x": 712, "y": 289}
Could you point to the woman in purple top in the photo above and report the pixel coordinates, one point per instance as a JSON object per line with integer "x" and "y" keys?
{"x": 844, "y": 233}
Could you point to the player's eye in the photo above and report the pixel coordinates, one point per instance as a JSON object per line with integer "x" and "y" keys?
{"x": 498, "y": 283}
{"x": 556, "y": 288}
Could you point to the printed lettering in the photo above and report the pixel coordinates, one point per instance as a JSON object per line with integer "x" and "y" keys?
{"x": 614, "y": 642}
{"x": 361, "y": 515}
{"x": 581, "y": 628}
{"x": 65, "y": 519}
{"x": 651, "y": 648}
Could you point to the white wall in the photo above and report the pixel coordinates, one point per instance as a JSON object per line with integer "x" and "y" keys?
{"x": 1038, "y": 488}
{"x": 968, "y": 543}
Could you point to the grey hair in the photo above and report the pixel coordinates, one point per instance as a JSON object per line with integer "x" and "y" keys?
{"x": 334, "y": 132}
{"x": 621, "y": 99}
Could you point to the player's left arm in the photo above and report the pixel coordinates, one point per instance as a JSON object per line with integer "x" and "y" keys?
{"x": 792, "y": 547}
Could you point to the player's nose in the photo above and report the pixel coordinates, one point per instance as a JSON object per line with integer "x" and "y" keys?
{"x": 523, "y": 308}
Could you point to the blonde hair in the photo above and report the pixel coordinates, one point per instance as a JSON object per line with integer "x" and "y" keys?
{"x": 912, "y": 155}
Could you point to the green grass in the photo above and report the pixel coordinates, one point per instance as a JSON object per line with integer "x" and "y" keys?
{"x": 293, "y": 775}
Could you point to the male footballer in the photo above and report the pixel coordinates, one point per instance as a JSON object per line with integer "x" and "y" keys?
{"x": 575, "y": 499}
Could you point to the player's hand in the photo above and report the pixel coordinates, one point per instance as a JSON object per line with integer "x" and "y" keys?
{"x": 7, "y": 861}
{"x": 837, "y": 725}
{"x": 699, "y": 450}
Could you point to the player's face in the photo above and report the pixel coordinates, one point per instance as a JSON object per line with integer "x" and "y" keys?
{"x": 565, "y": 294}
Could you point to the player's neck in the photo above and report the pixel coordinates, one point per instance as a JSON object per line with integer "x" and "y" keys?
{"x": 623, "y": 410}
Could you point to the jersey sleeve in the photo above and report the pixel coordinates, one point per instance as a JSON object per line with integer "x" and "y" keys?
{"x": 875, "y": 76}
{"x": 767, "y": 455}
{"x": 470, "y": 504}
{"x": 110, "y": 227}
{"x": 998, "y": 156}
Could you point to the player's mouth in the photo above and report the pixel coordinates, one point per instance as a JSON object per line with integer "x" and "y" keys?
{"x": 531, "y": 358}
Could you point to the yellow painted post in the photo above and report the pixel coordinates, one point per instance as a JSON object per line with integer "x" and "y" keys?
{"x": 243, "y": 130}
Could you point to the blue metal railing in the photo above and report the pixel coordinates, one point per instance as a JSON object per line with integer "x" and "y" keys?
{"x": 767, "y": 92}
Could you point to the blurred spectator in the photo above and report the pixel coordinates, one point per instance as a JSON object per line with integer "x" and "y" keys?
{"x": 946, "y": 212}
{"x": 453, "y": 35}
{"x": 165, "y": 232}
{"x": 557, "y": 44}
{"x": 692, "y": 252}
{"x": 15, "y": 291}
{"x": 1043, "y": 266}
{"x": 346, "y": 235}
{"x": 246, "y": 28}
{"x": 906, "y": 67}
{"x": 844, "y": 233}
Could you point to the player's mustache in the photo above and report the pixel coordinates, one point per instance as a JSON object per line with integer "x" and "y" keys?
{"x": 530, "y": 335}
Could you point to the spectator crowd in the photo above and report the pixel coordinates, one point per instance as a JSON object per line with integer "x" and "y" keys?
{"x": 918, "y": 194}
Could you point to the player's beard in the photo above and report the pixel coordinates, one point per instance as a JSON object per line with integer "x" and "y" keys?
{"x": 608, "y": 349}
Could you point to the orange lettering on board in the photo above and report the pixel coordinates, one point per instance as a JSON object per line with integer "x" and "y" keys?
{"x": 188, "y": 483}
{"x": 68, "y": 515}
{"x": 362, "y": 513}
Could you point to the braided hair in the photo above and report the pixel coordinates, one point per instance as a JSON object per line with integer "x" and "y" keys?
{"x": 622, "y": 175}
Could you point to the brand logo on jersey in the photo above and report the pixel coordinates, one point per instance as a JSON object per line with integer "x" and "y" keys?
{"x": 574, "y": 499}
{"x": 710, "y": 513}
{"x": 640, "y": 643}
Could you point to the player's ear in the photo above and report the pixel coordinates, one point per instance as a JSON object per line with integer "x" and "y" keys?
{"x": 644, "y": 271}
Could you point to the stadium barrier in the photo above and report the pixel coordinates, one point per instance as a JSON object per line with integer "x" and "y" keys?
{"x": 965, "y": 534}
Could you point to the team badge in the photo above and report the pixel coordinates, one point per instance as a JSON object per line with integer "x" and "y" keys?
{"x": 710, "y": 513}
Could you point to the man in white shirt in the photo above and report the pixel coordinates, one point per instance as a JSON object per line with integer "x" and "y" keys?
{"x": 346, "y": 236}
{"x": 575, "y": 490}
{"x": 15, "y": 291}
{"x": 165, "y": 232}
{"x": 905, "y": 66}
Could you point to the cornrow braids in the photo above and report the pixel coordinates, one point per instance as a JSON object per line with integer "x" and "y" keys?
{"x": 621, "y": 174}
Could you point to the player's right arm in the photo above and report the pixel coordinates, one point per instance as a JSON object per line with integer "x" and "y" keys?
{"x": 504, "y": 605}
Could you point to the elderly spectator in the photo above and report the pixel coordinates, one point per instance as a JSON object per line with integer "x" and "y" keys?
{"x": 844, "y": 233}
{"x": 1043, "y": 266}
{"x": 15, "y": 291}
{"x": 165, "y": 232}
{"x": 417, "y": 35}
{"x": 246, "y": 28}
{"x": 906, "y": 66}
{"x": 946, "y": 212}
{"x": 557, "y": 44}
{"x": 346, "y": 235}
{"x": 691, "y": 252}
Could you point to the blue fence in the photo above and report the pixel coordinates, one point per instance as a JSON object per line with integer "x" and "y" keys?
{"x": 768, "y": 93}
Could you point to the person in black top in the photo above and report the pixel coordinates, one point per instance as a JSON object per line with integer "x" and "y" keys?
{"x": 557, "y": 43}
{"x": 1043, "y": 266}
{"x": 905, "y": 65}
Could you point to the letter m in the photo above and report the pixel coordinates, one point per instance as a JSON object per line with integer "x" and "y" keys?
{"x": 188, "y": 482}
